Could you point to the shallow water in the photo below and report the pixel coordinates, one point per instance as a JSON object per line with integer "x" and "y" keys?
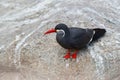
{"x": 26, "y": 54}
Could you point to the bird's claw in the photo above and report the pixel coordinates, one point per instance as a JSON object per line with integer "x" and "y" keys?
{"x": 67, "y": 56}
{"x": 74, "y": 55}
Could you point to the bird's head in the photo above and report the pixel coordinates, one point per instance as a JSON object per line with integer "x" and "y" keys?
{"x": 58, "y": 28}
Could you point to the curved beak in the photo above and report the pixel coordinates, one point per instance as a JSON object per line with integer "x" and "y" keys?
{"x": 50, "y": 31}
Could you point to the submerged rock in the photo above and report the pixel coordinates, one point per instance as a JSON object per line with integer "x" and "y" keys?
{"x": 25, "y": 53}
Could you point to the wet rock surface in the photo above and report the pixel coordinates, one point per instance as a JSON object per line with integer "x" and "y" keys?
{"x": 26, "y": 54}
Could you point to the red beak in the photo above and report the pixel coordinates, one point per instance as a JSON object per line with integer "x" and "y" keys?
{"x": 50, "y": 31}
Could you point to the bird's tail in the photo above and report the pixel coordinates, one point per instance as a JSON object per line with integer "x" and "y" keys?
{"x": 98, "y": 33}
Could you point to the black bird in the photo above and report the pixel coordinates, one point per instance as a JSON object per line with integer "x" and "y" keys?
{"x": 75, "y": 38}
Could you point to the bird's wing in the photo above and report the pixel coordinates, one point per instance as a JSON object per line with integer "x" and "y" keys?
{"x": 80, "y": 37}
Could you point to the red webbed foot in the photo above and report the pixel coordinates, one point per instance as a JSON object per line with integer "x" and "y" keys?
{"x": 74, "y": 55}
{"x": 67, "y": 56}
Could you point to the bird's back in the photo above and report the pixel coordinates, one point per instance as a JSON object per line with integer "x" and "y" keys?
{"x": 79, "y": 37}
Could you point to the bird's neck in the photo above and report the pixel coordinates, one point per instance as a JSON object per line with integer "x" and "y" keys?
{"x": 67, "y": 34}
{"x": 64, "y": 34}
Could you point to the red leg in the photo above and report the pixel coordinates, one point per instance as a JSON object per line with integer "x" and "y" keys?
{"x": 67, "y": 55}
{"x": 74, "y": 55}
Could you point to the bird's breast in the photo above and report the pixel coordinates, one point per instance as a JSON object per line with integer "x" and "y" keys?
{"x": 64, "y": 42}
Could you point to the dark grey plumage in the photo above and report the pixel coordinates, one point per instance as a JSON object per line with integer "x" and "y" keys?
{"x": 77, "y": 38}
